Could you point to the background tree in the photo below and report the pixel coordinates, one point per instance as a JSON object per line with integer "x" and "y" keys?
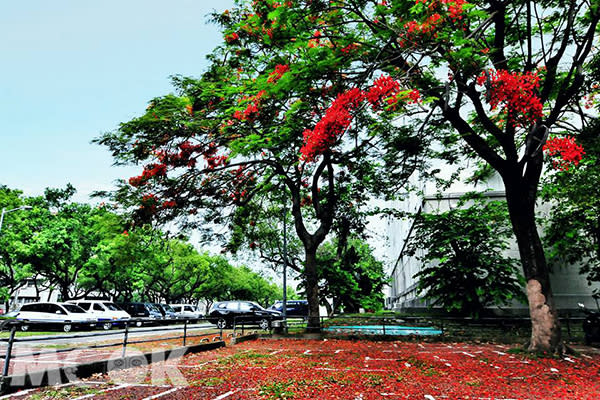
{"x": 572, "y": 229}
{"x": 350, "y": 276}
{"x": 17, "y": 230}
{"x": 463, "y": 253}
{"x": 61, "y": 250}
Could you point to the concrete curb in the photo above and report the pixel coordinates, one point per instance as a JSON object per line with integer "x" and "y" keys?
{"x": 241, "y": 339}
{"x": 60, "y": 375}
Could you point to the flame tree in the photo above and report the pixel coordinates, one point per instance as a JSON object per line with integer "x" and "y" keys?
{"x": 281, "y": 118}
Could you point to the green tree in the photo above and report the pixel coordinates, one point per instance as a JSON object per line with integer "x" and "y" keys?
{"x": 572, "y": 229}
{"x": 232, "y": 139}
{"x": 491, "y": 79}
{"x": 17, "y": 230}
{"x": 462, "y": 250}
{"x": 351, "y": 276}
{"x": 61, "y": 250}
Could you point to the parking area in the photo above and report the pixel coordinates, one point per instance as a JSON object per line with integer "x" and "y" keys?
{"x": 341, "y": 369}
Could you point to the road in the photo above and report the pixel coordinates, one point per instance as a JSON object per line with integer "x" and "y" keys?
{"x": 84, "y": 337}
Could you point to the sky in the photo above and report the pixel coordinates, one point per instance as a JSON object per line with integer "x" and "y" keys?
{"x": 74, "y": 69}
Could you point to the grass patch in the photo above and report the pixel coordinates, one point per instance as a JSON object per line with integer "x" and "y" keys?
{"x": 276, "y": 390}
{"x": 5, "y": 334}
{"x": 66, "y": 393}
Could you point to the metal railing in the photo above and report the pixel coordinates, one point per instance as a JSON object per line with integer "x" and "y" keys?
{"x": 15, "y": 325}
{"x": 448, "y": 325}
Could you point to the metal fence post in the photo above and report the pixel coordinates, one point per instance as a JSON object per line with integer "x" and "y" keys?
{"x": 185, "y": 331}
{"x": 125, "y": 339}
{"x": 383, "y": 326}
{"x": 8, "y": 354}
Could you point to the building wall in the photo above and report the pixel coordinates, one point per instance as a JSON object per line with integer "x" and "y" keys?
{"x": 569, "y": 287}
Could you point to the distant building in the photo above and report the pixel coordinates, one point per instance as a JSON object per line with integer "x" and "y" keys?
{"x": 30, "y": 294}
{"x": 568, "y": 286}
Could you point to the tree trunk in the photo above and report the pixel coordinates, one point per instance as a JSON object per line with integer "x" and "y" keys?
{"x": 545, "y": 325}
{"x": 312, "y": 290}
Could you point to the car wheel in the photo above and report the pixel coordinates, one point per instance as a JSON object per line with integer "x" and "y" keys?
{"x": 221, "y": 323}
{"x": 24, "y": 328}
{"x": 264, "y": 324}
{"x": 138, "y": 323}
{"x": 107, "y": 326}
{"x": 67, "y": 327}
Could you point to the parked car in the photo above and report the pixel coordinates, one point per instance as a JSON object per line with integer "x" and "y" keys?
{"x": 225, "y": 313}
{"x": 142, "y": 313}
{"x": 187, "y": 311}
{"x": 294, "y": 308}
{"x": 108, "y": 313}
{"x": 166, "y": 311}
{"x": 62, "y": 315}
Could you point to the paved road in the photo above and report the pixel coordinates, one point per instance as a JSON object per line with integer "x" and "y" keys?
{"x": 115, "y": 334}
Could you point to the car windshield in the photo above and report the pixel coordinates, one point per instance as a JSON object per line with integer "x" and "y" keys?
{"x": 168, "y": 308}
{"x": 153, "y": 308}
{"x": 73, "y": 308}
{"x": 112, "y": 307}
{"x": 257, "y": 306}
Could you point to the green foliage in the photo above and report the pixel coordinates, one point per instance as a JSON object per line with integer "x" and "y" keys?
{"x": 572, "y": 228}
{"x": 463, "y": 249}
{"x": 351, "y": 276}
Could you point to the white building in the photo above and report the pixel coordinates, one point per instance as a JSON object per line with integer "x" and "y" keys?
{"x": 569, "y": 287}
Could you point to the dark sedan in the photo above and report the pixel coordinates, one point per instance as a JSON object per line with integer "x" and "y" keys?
{"x": 225, "y": 314}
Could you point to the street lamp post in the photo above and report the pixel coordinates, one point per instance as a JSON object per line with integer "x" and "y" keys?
{"x": 285, "y": 327}
{"x": 5, "y": 211}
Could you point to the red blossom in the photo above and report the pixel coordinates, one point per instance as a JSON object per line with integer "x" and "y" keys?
{"x": 280, "y": 69}
{"x": 565, "y": 152}
{"x": 383, "y": 87}
{"x": 150, "y": 170}
{"x": 327, "y": 131}
{"x": 169, "y": 204}
{"x": 350, "y": 48}
{"x": 338, "y": 116}
{"x": 233, "y": 37}
{"x": 516, "y": 93}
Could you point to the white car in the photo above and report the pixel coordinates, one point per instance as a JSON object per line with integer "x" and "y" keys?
{"x": 108, "y": 313}
{"x": 62, "y": 315}
{"x": 186, "y": 311}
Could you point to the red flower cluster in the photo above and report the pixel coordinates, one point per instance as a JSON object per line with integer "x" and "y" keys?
{"x": 169, "y": 204}
{"x": 150, "y": 171}
{"x": 252, "y": 109}
{"x": 280, "y": 69}
{"x": 316, "y": 41}
{"x": 350, "y": 48}
{"x": 231, "y": 38}
{"x": 337, "y": 118}
{"x": 438, "y": 13}
{"x": 566, "y": 152}
{"x": 516, "y": 93}
{"x": 384, "y": 87}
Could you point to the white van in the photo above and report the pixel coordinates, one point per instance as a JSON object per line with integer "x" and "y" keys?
{"x": 62, "y": 315}
{"x": 108, "y": 313}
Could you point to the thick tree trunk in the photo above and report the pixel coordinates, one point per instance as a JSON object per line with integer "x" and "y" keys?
{"x": 545, "y": 325}
{"x": 312, "y": 290}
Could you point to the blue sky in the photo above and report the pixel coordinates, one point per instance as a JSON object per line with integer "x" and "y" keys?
{"x": 73, "y": 69}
